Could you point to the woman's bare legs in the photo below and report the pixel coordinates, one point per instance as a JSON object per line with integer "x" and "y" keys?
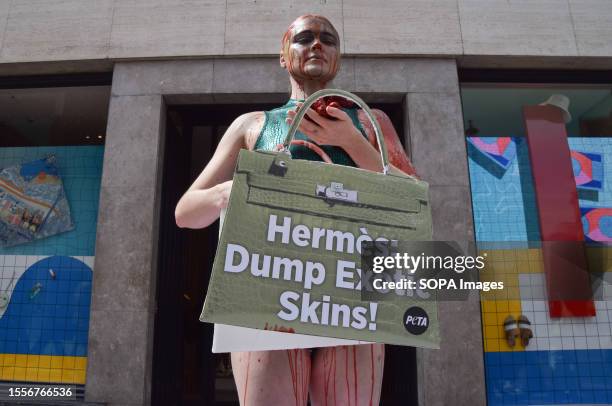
{"x": 347, "y": 375}
{"x": 277, "y": 378}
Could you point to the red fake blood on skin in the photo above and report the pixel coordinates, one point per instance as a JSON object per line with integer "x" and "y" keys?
{"x": 307, "y": 360}
{"x": 372, "y": 390}
{"x": 346, "y": 372}
{"x": 300, "y": 372}
{"x": 395, "y": 150}
{"x": 334, "y": 375}
{"x": 355, "y": 371}
{"x": 325, "y": 369}
{"x": 292, "y": 369}
{"x": 320, "y": 106}
{"x": 246, "y": 382}
{"x": 298, "y": 377}
{"x": 329, "y": 367}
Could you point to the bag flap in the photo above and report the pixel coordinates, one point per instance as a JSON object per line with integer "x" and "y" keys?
{"x": 400, "y": 191}
{"x": 327, "y": 192}
{"x": 317, "y": 206}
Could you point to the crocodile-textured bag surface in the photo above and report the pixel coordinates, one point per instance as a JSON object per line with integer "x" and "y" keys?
{"x": 290, "y": 246}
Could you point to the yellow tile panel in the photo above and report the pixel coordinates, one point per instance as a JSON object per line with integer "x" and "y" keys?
{"x": 42, "y": 368}
{"x": 502, "y": 306}
{"x": 43, "y": 374}
{"x": 492, "y": 332}
{"x": 514, "y": 307}
{"x": 522, "y": 255}
{"x": 492, "y": 345}
{"x": 20, "y": 374}
{"x": 32, "y": 361}
{"x": 44, "y": 361}
{"x": 488, "y": 306}
{"x": 67, "y": 376}
{"x": 80, "y": 363}
{"x": 21, "y": 360}
{"x": 55, "y": 375}
{"x": 79, "y": 377}
{"x": 31, "y": 374}
{"x": 7, "y": 373}
{"x": 489, "y": 319}
{"x": 505, "y": 266}
{"x": 56, "y": 362}
{"x": 68, "y": 363}
{"x": 9, "y": 360}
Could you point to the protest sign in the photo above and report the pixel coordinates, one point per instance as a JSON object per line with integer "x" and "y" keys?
{"x": 289, "y": 255}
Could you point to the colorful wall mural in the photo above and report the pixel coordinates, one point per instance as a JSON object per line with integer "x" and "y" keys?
{"x": 45, "y": 284}
{"x": 569, "y": 359}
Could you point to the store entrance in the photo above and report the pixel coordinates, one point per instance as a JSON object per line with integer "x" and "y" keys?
{"x": 185, "y": 372}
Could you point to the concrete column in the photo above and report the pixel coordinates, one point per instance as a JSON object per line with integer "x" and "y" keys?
{"x": 454, "y": 374}
{"x": 123, "y": 300}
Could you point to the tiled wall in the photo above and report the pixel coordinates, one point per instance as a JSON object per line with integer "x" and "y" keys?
{"x": 503, "y": 201}
{"x": 569, "y": 360}
{"x": 44, "y": 329}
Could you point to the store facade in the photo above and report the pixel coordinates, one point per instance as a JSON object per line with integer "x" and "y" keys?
{"x": 124, "y": 322}
{"x": 145, "y": 100}
{"x": 567, "y": 359}
{"x": 52, "y": 153}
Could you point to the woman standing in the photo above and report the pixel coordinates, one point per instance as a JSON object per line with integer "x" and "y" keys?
{"x": 347, "y": 375}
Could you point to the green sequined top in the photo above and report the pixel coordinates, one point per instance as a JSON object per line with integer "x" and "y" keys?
{"x": 275, "y": 130}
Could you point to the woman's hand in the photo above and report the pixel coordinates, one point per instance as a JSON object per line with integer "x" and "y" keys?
{"x": 340, "y": 132}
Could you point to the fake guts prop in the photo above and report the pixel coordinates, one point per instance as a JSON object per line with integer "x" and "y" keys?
{"x": 33, "y": 204}
{"x": 289, "y": 249}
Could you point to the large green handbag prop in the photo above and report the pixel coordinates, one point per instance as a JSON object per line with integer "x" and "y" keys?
{"x": 289, "y": 249}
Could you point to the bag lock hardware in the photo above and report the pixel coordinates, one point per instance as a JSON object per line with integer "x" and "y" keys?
{"x": 336, "y": 192}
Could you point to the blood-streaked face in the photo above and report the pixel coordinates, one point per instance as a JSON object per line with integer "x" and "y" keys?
{"x": 311, "y": 50}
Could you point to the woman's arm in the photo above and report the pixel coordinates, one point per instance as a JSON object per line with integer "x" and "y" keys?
{"x": 397, "y": 155}
{"x": 201, "y": 205}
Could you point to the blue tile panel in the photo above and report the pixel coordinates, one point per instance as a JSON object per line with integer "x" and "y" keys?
{"x": 549, "y": 377}
{"x": 505, "y": 210}
{"x": 46, "y": 315}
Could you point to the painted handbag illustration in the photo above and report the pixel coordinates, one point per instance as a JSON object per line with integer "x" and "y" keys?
{"x": 289, "y": 253}
{"x": 33, "y": 203}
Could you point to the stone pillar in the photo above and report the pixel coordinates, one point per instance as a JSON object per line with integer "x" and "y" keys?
{"x": 123, "y": 299}
{"x": 454, "y": 374}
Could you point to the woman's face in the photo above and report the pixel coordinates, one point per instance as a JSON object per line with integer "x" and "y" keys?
{"x": 311, "y": 51}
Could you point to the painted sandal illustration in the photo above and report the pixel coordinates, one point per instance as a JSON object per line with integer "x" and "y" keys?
{"x": 524, "y": 326}
{"x": 512, "y": 330}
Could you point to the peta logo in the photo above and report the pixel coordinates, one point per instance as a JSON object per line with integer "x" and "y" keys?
{"x": 416, "y": 320}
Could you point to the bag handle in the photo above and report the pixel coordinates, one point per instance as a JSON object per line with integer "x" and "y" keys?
{"x": 347, "y": 95}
